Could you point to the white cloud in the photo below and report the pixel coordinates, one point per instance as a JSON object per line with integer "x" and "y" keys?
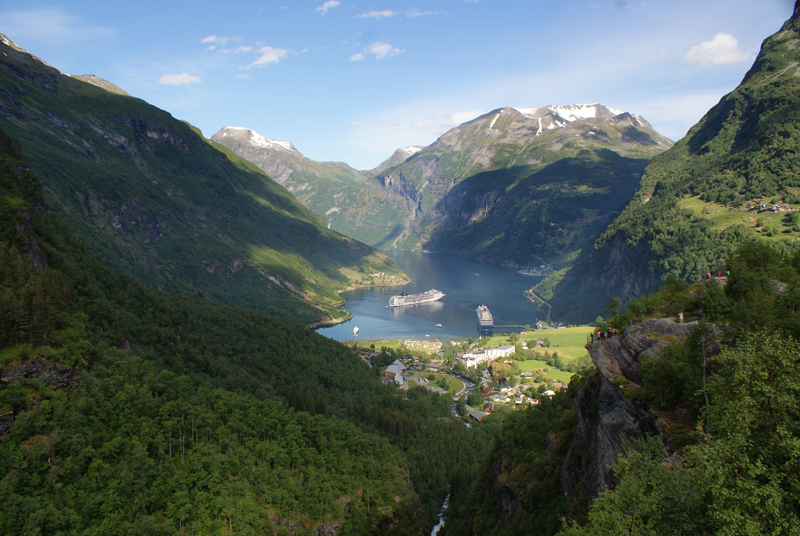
{"x": 220, "y": 40}
{"x": 357, "y": 57}
{"x": 382, "y": 50}
{"x": 385, "y": 14}
{"x": 243, "y": 75}
{"x": 243, "y": 49}
{"x": 268, "y": 55}
{"x": 434, "y": 125}
{"x": 414, "y": 13}
{"x": 388, "y": 13}
{"x": 330, "y": 4}
{"x": 179, "y": 79}
{"x": 51, "y": 24}
{"x": 722, "y": 49}
{"x": 445, "y": 122}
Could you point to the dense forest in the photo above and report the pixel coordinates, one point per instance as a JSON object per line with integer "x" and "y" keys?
{"x": 125, "y": 410}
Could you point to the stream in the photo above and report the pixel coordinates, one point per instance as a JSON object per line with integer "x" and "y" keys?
{"x": 468, "y": 387}
{"x": 442, "y": 510}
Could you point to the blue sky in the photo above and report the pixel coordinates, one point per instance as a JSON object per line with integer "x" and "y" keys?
{"x": 354, "y": 80}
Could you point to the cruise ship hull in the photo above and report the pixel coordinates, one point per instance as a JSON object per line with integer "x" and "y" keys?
{"x": 416, "y": 299}
{"x": 485, "y": 320}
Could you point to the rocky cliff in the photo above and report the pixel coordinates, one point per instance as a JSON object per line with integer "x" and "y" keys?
{"x": 608, "y": 421}
{"x": 54, "y": 374}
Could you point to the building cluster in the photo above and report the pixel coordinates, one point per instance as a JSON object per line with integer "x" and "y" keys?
{"x": 474, "y": 358}
{"x": 425, "y": 346}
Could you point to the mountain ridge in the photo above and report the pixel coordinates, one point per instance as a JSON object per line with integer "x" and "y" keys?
{"x": 482, "y": 174}
{"x": 171, "y": 209}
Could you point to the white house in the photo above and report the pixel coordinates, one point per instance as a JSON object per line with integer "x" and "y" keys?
{"x": 473, "y": 359}
{"x": 501, "y": 351}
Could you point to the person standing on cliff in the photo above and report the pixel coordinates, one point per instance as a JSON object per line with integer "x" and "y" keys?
{"x": 680, "y": 317}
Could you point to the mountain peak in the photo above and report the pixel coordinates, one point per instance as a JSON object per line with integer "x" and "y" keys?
{"x": 400, "y": 155}
{"x": 572, "y": 112}
{"x": 254, "y": 139}
{"x": 101, "y": 83}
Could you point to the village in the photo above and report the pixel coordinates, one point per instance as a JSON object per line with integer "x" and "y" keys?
{"x": 494, "y": 373}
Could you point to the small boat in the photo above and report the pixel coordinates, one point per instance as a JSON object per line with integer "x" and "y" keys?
{"x": 355, "y": 330}
{"x": 438, "y": 325}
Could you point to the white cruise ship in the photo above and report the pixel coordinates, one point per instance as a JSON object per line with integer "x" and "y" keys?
{"x": 416, "y": 299}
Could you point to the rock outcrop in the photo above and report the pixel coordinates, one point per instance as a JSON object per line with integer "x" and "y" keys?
{"x": 608, "y": 421}
{"x": 54, "y": 374}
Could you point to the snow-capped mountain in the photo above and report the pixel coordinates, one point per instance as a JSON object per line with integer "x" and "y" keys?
{"x": 315, "y": 184}
{"x": 421, "y": 193}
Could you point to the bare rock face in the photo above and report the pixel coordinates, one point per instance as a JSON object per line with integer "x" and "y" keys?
{"x": 608, "y": 422}
{"x": 55, "y": 375}
{"x": 620, "y": 357}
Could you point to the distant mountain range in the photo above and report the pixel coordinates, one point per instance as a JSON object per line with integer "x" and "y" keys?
{"x": 523, "y": 187}
{"x": 171, "y": 209}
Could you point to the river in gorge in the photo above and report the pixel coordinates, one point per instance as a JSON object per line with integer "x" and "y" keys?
{"x": 466, "y": 284}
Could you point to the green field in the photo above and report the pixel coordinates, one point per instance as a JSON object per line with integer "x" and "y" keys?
{"x": 723, "y": 217}
{"x": 568, "y": 342}
{"x": 454, "y": 385}
{"x": 552, "y": 372}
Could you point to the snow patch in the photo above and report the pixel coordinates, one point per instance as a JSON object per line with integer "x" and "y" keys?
{"x": 569, "y": 113}
{"x": 493, "y": 121}
{"x": 260, "y": 141}
{"x": 411, "y": 149}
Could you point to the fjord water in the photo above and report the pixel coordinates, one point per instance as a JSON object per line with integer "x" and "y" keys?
{"x": 466, "y": 284}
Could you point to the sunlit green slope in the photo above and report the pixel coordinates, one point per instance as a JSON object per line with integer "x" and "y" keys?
{"x": 159, "y": 202}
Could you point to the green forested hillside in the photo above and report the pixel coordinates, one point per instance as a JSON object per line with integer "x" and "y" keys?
{"x": 157, "y": 201}
{"x": 125, "y": 410}
{"x": 744, "y": 155}
{"x": 738, "y": 471}
{"x": 724, "y": 459}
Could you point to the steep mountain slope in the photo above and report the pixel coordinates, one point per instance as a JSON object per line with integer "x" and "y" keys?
{"x": 735, "y": 176}
{"x": 162, "y": 204}
{"x": 315, "y": 184}
{"x": 683, "y": 425}
{"x": 470, "y": 171}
